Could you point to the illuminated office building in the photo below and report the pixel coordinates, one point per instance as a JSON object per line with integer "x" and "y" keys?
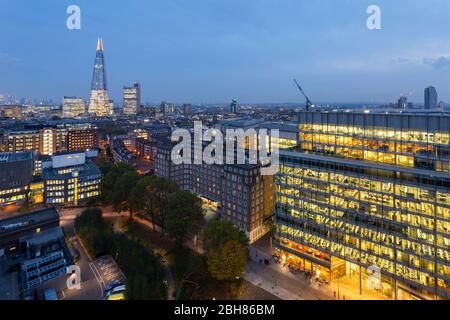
{"x": 99, "y": 103}
{"x": 369, "y": 192}
{"x": 73, "y": 107}
{"x": 132, "y": 99}
{"x": 16, "y": 173}
{"x": 71, "y": 179}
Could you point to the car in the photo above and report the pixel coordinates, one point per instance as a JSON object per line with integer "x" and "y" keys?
{"x": 116, "y": 296}
{"x": 50, "y": 294}
{"x": 113, "y": 284}
{"x": 118, "y": 289}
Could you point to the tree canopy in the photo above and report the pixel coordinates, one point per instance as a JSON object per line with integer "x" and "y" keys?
{"x": 143, "y": 270}
{"x": 229, "y": 261}
{"x": 151, "y": 195}
{"x": 117, "y": 184}
{"x": 184, "y": 215}
{"x": 217, "y": 232}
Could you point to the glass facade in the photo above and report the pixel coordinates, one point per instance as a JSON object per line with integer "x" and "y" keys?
{"x": 357, "y": 195}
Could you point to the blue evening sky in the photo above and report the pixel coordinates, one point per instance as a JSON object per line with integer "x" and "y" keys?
{"x": 215, "y": 50}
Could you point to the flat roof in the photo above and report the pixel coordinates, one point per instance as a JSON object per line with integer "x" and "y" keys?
{"x": 89, "y": 168}
{"x": 406, "y": 112}
{"x": 17, "y": 222}
{"x": 14, "y": 157}
{"x": 44, "y": 236}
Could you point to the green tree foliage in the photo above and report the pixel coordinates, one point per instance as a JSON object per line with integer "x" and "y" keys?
{"x": 122, "y": 191}
{"x": 184, "y": 215}
{"x": 218, "y": 232}
{"x": 151, "y": 195}
{"x": 143, "y": 270}
{"x": 229, "y": 261}
{"x": 117, "y": 184}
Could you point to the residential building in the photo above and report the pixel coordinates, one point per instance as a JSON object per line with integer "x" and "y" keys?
{"x": 121, "y": 152}
{"x": 238, "y": 193}
{"x": 82, "y": 139}
{"x": 49, "y": 139}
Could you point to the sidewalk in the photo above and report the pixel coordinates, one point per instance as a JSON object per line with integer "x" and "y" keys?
{"x": 279, "y": 279}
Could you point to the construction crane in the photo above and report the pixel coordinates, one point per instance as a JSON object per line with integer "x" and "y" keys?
{"x": 308, "y": 102}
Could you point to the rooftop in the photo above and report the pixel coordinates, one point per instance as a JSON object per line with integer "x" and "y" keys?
{"x": 87, "y": 169}
{"x": 44, "y": 236}
{"x": 9, "y": 224}
{"x": 14, "y": 157}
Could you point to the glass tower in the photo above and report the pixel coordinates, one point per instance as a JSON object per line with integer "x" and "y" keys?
{"x": 365, "y": 193}
{"x": 99, "y": 101}
{"x": 431, "y": 98}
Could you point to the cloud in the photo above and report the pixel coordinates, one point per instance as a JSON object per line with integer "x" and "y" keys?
{"x": 440, "y": 63}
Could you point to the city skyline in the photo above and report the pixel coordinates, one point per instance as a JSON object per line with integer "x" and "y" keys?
{"x": 203, "y": 56}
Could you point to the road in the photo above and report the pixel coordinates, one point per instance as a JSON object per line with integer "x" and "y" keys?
{"x": 91, "y": 285}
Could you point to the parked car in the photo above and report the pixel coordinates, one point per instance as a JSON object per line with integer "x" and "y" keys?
{"x": 113, "y": 285}
{"x": 115, "y": 290}
{"x": 50, "y": 294}
{"x": 117, "y": 296}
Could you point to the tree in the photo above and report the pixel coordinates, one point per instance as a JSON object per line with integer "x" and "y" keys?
{"x": 151, "y": 195}
{"x": 184, "y": 215}
{"x": 165, "y": 188}
{"x": 218, "y": 232}
{"x": 143, "y": 197}
{"x": 122, "y": 192}
{"x": 143, "y": 270}
{"x": 228, "y": 263}
{"x": 116, "y": 186}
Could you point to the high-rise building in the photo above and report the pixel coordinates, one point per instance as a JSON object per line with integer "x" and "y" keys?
{"x": 365, "y": 194}
{"x": 187, "y": 108}
{"x": 431, "y": 98}
{"x": 99, "y": 103}
{"x": 402, "y": 103}
{"x": 73, "y": 107}
{"x": 233, "y": 106}
{"x": 132, "y": 99}
{"x": 167, "y": 107}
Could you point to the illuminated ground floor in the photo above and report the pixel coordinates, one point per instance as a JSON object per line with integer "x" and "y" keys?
{"x": 344, "y": 276}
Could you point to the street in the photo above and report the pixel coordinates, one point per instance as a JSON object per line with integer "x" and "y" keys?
{"x": 91, "y": 284}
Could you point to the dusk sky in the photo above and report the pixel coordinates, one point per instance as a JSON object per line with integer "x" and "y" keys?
{"x": 208, "y": 51}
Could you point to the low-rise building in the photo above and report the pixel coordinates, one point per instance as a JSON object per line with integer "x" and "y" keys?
{"x": 16, "y": 173}
{"x": 36, "y": 241}
{"x": 71, "y": 179}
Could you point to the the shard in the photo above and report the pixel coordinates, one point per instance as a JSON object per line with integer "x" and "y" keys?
{"x": 99, "y": 103}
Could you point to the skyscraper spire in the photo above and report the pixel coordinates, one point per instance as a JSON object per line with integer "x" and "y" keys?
{"x": 99, "y": 44}
{"x": 99, "y": 101}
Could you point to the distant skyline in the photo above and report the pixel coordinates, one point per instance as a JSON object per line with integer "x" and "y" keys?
{"x": 215, "y": 51}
